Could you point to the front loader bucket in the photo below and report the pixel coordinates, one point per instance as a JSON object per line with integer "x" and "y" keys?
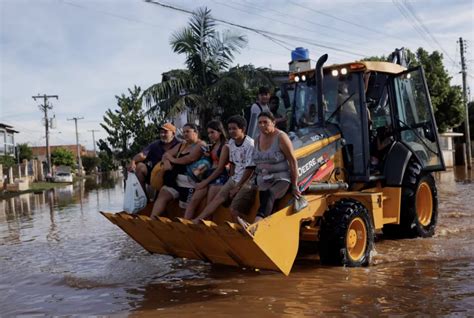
{"x": 269, "y": 244}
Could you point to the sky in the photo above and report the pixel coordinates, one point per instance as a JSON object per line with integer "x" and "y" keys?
{"x": 89, "y": 51}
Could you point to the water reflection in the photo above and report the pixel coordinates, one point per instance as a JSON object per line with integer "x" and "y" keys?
{"x": 60, "y": 197}
{"x": 100, "y": 182}
{"x": 58, "y": 254}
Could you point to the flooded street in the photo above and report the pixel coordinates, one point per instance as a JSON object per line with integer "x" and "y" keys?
{"x": 59, "y": 256}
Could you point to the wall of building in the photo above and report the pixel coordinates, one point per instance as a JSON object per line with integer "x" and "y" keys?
{"x": 40, "y": 152}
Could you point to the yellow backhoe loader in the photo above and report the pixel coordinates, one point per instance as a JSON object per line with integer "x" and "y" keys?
{"x": 366, "y": 141}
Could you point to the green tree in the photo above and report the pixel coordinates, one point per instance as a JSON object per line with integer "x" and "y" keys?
{"x": 446, "y": 99}
{"x": 90, "y": 163}
{"x": 208, "y": 88}
{"x": 7, "y": 161}
{"x": 127, "y": 128}
{"x": 237, "y": 88}
{"x": 63, "y": 157}
{"x": 107, "y": 162}
{"x": 25, "y": 152}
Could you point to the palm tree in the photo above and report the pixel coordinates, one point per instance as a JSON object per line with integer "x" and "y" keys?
{"x": 209, "y": 55}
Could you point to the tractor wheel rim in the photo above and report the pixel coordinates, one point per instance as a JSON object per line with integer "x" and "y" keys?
{"x": 356, "y": 239}
{"x": 424, "y": 204}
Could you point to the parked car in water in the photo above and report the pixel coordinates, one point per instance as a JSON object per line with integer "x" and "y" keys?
{"x": 63, "y": 177}
{"x": 62, "y": 174}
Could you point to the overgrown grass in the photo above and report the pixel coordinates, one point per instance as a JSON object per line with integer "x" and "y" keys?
{"x": 34, "y": 187}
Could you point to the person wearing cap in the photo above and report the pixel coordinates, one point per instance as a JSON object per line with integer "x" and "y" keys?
{"x": 143, "y": 162}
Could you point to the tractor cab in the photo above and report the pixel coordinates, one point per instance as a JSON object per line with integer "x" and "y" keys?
{"x": 382, "y": 111}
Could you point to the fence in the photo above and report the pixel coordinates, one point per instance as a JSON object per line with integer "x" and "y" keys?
{"x": 30, "y": 171}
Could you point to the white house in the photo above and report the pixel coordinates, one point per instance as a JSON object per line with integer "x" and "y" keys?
{"x": 7, "y": 140}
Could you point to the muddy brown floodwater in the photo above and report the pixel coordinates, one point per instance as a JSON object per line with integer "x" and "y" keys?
{"x": 59, "y": 256}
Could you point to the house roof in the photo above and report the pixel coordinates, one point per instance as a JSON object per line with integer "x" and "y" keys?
{"x": 8, "y": 128}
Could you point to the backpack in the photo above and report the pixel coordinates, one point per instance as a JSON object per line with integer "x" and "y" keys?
{"x": 248, "y": 112}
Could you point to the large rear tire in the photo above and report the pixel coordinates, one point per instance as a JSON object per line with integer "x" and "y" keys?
{"x": 419, "y": 206}
{"x": 346, "y": 235}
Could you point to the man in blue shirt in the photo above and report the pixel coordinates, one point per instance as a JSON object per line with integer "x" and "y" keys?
{"x": 143, "y": 162}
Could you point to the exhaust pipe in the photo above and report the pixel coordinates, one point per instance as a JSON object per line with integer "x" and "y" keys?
{"x": 319, "y": 86}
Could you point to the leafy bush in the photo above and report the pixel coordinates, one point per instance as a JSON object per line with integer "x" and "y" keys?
{"x": 63, "y": 157}
{"x": 90, "y": 163}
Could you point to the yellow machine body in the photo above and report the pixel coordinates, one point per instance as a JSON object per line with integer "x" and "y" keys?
{"x": 363, "y": 206}
{"x": 270, "y": 244}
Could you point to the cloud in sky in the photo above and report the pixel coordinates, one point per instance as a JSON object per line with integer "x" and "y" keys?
{"x": 89, "y": 51}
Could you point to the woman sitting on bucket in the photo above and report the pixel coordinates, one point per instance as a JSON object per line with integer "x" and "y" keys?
{"x": 276, "y": 166}
{"x": 218, "y": 174}
{"x": 177, "y": 182}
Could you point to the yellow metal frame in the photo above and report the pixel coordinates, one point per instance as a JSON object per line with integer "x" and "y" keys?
{"x": 383, "y": 204}
{"x": 307, "y": 150}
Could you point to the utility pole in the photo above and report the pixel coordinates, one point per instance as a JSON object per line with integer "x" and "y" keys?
{"x": 467, "y": 133}
{"x": 44, "y": 108}
{"x": 93, "y": 140}
{"x": 79, "y": 160}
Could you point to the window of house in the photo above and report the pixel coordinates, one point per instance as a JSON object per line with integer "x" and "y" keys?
{"x": 2, "y": 142}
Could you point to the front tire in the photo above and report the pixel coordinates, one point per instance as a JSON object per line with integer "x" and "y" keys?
{"x": 346, "y": 236}
{"x": 419, "y": 206}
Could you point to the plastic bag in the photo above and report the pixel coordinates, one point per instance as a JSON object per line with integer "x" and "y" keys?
{"x": 134, "y": 197}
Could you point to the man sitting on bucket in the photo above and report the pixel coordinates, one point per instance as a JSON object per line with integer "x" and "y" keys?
{"x": 143, "y": 162}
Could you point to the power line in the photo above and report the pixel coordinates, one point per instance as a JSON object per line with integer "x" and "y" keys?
{"x": 144, "y": 22}
{"x": 266, "y": 51}
{"x": 260, "y": 32}
{"x": 418, "y": 24}
{"x": 280, "y": 43}
{"x": 114, "y": 15}
{"x": 346, "y": 21}
{"x": 453, "y": 65}
{"x": 299, "y": 27}
{"x": 415, "y": 26}
{"x": 267, "y": 34}
{"x": 423, "y": 26}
